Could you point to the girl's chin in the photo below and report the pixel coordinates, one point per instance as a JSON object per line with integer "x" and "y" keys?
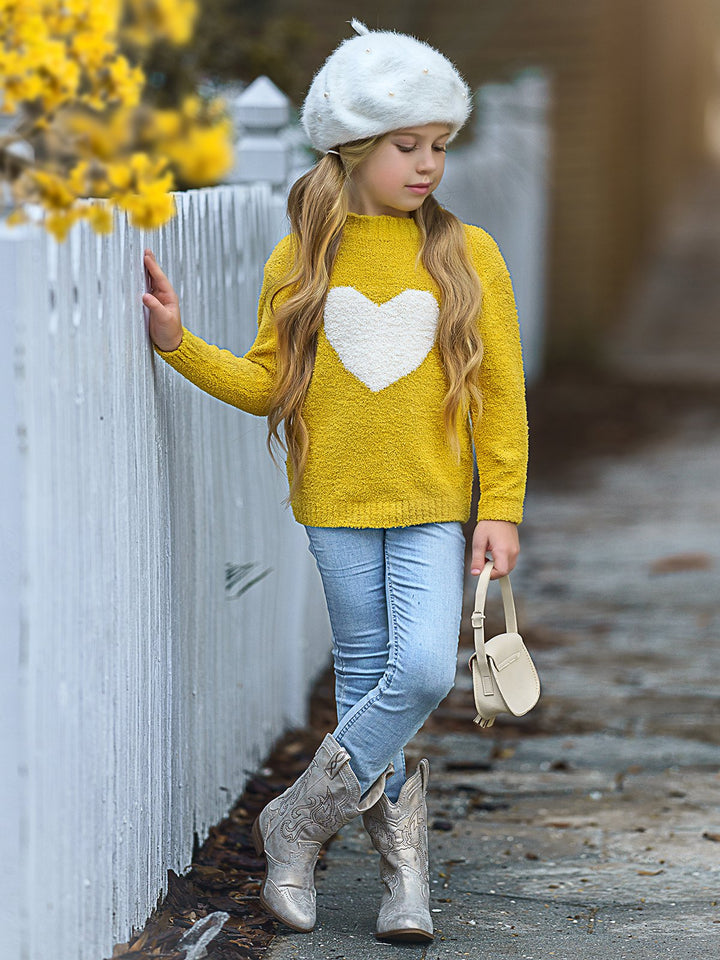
{"x": 406, "y": 206}
{"x": 402, "y": 207}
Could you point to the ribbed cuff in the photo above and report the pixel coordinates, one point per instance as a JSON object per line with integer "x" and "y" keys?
{"x": 180, "y": 352}
{"x": 508, "y": 510}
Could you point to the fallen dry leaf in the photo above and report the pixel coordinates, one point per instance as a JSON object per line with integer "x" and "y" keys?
{"x": 649, "y": 873}
{"x": 712, "y": 836}
{"x": 679, "y": 562}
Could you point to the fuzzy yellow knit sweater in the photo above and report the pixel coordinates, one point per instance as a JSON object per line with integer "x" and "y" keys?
{"x": 378, "y": 452}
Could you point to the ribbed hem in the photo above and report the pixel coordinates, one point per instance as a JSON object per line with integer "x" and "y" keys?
{"x": 400, "y": 514}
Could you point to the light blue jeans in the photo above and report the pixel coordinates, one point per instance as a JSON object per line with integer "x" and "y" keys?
{"x": 394, "y": 596}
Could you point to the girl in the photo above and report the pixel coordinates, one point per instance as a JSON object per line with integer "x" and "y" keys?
{"x": 388, "y": 345}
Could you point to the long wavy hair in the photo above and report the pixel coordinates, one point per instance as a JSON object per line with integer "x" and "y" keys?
{"x": 317, "y": 209}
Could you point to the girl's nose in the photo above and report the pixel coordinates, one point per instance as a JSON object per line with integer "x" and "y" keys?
{"x": 426, "y": 161}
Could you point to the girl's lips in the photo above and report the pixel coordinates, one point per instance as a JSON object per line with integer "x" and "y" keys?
{"x": 419, "y": 187}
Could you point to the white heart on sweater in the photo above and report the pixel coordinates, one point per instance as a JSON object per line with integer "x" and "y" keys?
{"x": 380, "y": 343}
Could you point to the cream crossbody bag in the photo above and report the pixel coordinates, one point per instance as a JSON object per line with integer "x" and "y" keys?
{"x": 504, "y": 677}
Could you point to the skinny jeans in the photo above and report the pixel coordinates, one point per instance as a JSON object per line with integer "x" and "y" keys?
{"x": 394, "y": 597}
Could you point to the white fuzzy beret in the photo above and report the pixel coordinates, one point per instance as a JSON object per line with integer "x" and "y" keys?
{"x": 380, "y": 81}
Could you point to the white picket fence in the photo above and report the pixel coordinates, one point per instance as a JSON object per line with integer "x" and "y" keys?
{"x": 162, "y": 619}
{"x": 167, "y": 612}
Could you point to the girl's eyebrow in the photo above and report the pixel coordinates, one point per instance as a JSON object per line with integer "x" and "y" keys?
{"x": 418, "y": 136}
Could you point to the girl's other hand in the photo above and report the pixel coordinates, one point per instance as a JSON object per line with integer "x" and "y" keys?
{"x": 164, "y": 306}
{"x": 499, "y": 538}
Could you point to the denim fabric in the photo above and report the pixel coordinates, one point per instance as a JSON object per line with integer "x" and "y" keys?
{"x": 394, "y": 597}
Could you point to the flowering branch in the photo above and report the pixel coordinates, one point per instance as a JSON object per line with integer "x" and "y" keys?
{"x": 73, "y": 77}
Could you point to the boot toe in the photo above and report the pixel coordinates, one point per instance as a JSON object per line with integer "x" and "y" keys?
{"x": 293, "y": 906}
{"x": 405, "y": 924}
{"x": 407, "y": 929}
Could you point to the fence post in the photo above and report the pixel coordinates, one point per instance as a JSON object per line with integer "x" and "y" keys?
{"x": 261, "y": 111}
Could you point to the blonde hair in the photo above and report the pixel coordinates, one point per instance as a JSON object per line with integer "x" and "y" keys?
{"x": 317, "y": 209}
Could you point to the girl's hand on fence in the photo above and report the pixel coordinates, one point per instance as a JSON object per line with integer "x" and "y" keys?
{"x": 499, "y": 539}
{"x": 164, "y": 307}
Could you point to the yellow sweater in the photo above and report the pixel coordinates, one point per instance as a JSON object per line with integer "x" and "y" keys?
{"x": 378, "y": 453}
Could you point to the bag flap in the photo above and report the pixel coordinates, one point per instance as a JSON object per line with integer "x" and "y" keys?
{"x": 514, "y": 672}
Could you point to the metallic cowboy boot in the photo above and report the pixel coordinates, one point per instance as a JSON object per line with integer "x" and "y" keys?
{"x": 399, "y": 833}
{"x": 292, "y": 828}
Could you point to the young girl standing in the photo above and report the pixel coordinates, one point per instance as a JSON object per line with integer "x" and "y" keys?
{"x": 387, "y": 347}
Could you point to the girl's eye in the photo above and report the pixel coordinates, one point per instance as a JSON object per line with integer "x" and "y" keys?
{"x": 404, "y": 149}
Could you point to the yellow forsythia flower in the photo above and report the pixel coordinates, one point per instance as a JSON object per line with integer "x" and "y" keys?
{"x": 150, "y": 209}
{"x": 59, "y": 222}
{"x": 103, "y": 137}
{"x": 99, "y": 217}
{"x": 53, "y": 190}
{"x": 90, "y": 50}
{"x": 119, "y": 176}
{"x": 163, "y": 124}
{"x": 67, "y": 65}
{"x": 204, "y": 155}
{"x": 150, "y": 21}
{"x": 16, "y": 217}
{"x": 78, "y": 178}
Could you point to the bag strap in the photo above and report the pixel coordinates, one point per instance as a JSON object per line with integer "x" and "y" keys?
{"x": 478, "y": 622}
{"x": 478, "y": 617}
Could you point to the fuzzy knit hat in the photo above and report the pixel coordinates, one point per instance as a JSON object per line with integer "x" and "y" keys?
{"x": 379, "y": 81}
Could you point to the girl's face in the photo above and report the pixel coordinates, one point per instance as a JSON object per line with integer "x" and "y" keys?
{"x": 402, "y": 170}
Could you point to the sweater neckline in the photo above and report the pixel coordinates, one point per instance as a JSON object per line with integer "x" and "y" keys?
{"x": 380, "y": 226}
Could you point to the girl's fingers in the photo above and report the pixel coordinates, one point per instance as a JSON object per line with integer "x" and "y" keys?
{"x": 153, "y": 269}
{"x": 159, "y": 278}
{"x": 153, "y": 304}
{"x": 162, "y": 287}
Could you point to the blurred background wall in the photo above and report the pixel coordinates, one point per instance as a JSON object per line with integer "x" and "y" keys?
{"x": 634, "y": 84}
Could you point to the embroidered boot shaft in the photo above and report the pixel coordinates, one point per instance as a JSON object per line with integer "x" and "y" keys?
{"x": 292, "y": 828}
{"x": 399, "y": 833}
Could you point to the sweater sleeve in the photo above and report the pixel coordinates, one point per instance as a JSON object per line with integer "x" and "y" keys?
{"x": 500, "y": 429}
{"x": 245, "y": 382}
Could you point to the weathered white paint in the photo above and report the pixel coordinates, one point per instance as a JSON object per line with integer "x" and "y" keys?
{"x": 12, "y": 730}
{"x": 145, "y": 694}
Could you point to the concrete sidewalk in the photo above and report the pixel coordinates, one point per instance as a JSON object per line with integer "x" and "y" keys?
{"x": 600, "y": 838}
{"x": 591, "y": 828}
